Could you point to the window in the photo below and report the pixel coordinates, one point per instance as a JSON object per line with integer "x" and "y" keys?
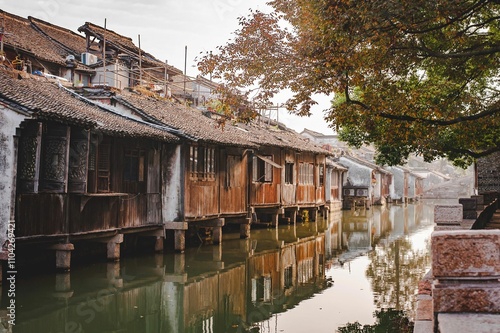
{"x": 306, "y": 173}
{"x": 134, "y": 165}
{"x": 262, "y": 171}
{"x": 103, "y": 168}
{"x": 288, "y": 173}
{"x": 321, "y": 175}
{"x": 202, "y": 162}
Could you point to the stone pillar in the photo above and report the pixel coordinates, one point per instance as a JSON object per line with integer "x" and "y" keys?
{"x": 113, "y": 247}
{"x": 180, "y": 240}
{"x": 159, "y": 244}
{"x": 179, "y": 234}
{"x": 479, "y": 202}
{"x": 217, "y": 230}
{"x": 469, "y": 208}
{"x": 63, "y": 255}
{"x": 467, "y": 266}
{"x": 448, "y": 216}
{"x": 274, "y": 220}
{"x": 245, "y": 228}
{"x": 294, "y": 217}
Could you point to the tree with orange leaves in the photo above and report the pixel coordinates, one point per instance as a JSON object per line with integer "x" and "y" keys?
{"x": 411, "y": 77}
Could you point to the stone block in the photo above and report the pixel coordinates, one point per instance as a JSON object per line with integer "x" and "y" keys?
{"x": 470, "y": 214}
{"x": 424, "y": 308}
{"x": 479, "y": 199}
{"x": 176, "y": 225}
{"x": 448, "y": 214}
{"x": 468, "y": 204}
{"x": 466, "y": 254}
{"x": 467, "y": 297}
{"x": 423, "y": 327}
{"x": 468, "y": 322}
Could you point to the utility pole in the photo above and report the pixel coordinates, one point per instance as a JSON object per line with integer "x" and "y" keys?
{"x": 166, "y": 77}
{"x": 185, "y": 68}
{"x": 104, "y": 54}
{"x": 140, "y": 61}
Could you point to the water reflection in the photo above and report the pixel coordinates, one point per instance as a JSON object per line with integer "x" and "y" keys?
{"x": 337, "y": 270}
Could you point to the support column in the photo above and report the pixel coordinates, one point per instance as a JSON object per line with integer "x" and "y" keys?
{"x": 63, "y": 255}
{"x": 216, "y": 229}
{"x": 245, "y": 228}
{"x": 159, "y": 236}
{"x": 159, "y": 244}
{"x": 274, "y": 220}
{"x": 179, "y": 234}
{"x": 113, "y": 247}
{"x": 180, "y": 240}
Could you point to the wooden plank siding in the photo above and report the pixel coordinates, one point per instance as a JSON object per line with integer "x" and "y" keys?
{"x": 266, "y": 192}
{"x": 233, "y": 181}
{"x": 109, "y": 182}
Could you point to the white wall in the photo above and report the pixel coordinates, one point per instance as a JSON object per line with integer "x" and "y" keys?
{"x": 9, "y": 122}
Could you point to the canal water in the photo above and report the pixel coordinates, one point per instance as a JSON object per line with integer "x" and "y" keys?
{"x": 343, "y": 271}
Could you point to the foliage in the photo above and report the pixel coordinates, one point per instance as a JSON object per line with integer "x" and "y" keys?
{"x": 409, "y": 76}
{"x": 388, "y": 321}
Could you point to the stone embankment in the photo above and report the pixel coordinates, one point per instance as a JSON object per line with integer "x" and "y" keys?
{"x": 461, "y": 292}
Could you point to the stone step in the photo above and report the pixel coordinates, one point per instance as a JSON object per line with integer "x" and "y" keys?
{"x": 468, "y": 322}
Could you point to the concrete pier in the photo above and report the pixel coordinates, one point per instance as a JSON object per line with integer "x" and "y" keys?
{"x": 63, "y": 255}
{"x": 179, "y": 234}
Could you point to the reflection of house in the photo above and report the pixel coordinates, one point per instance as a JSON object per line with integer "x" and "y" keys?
{"x": 364, "y": 180}
{"x": 186, "y": 294}
{"x": 357, "y": 229}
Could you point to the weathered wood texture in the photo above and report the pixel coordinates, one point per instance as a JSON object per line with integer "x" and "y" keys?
{"x": 57, "y": 214}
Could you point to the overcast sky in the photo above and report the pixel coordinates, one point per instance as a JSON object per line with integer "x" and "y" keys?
{"x": 165, "y": 27}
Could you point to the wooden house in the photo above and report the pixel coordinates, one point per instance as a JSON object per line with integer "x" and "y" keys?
{"x": 29, "y": 45}
{"x": 366, "y": 182}
{"x": 406, "y": 185}
{"x": 204, "y": 179}
{"x": 334, "y": 182}
{"x": 84, "y": 173}
{"x": 288, "y": 174}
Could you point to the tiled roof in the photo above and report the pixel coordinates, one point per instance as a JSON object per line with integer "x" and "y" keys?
{"x": 124, "y": 44}
{"x": 278, "y": 136}
{"x": 48, "y": 101}
{"x": 72, "y": 42}
{"x": 188, "y": 120}
{"x": 20, "y": 35}
{"x": 192, "y": 122}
